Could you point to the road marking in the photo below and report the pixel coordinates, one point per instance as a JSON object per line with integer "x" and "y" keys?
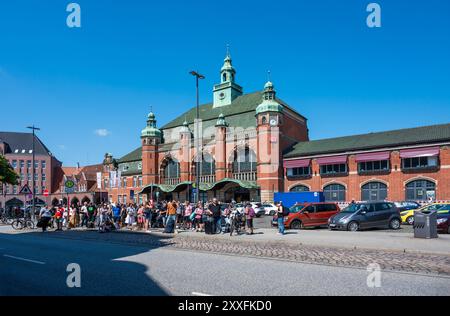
{"x": 200, "y": 294}
{"x": 24, "y": 259}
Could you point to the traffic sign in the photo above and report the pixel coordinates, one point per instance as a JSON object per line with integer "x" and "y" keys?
{"x": 25, "y": 190}
{"x": 46, "y": 193}
{"x": 70, "y": 186}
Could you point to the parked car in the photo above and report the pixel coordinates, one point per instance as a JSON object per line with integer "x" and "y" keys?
{"x": 407, "y": 205}
{"x": 443, "y": 219}
{"x": 269, "y": 209}
{"x": 308, "y": 215}
{"x": 366, "y": 215}
{"x": 257, "y": 207}
{"x": 408, "y": 216}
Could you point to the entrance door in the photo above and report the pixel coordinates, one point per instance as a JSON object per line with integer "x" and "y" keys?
{"x": 237, "y": 194}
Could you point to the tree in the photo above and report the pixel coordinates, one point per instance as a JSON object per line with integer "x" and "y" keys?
{"x": 7, "y": 173}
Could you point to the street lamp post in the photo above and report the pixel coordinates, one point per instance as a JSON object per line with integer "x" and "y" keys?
{"x": 33, "y": 192}
{"x": 197, "y": 136}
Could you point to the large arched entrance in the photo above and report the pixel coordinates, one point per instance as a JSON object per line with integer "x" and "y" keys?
{"x": 13, "y": 203}
{"x": 237, "y": 194}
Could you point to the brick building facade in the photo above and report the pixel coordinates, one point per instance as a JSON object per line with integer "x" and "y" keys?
{"x": 17, "y": 149}
{"x": 408, "y": 164}
{"x": 242, "y": 137}
{"x": 252, "y": 145}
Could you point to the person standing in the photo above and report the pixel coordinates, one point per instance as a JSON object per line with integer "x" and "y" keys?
{"x": 116, "y": 215}
{"x": 171, "y": 216}
{"x": 281, "y": 211}
{"x": 45, "y": 215}
{"x": 198, "y": 220}
{"x": 249, "y": 216}
{"x": 216, "y": 213}
{"x": 84, "y": 215}
{"x": 131, "y": 214}
{"x": 187, "y": 215}
{"x": 148, "y": 217}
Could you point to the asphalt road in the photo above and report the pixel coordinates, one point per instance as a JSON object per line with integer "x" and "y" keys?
{"x": 33, "y": 264}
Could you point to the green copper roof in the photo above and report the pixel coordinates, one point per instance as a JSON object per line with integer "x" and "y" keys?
{"x": 269, "y": 106}
{"x": 151, "y": 130}
{"x": 221, "y": 121}
{"x": 403, "y": 137}
{"x": 240, "y": 113}
{"x": 135, "y": 155}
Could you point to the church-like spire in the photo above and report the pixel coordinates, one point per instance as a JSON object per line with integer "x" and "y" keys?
{"x": 228, "y": 72}
{"x": 269, "y": 102}
{"x": 227, "y": 90}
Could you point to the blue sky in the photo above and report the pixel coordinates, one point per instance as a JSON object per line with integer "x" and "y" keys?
{"x": 129, "y": 55}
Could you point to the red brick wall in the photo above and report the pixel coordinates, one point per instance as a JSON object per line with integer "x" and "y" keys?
{"x": 395, "y": 180}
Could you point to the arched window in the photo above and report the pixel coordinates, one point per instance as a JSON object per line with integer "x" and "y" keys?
{"x": 172, "y": 169}
{"x": 300, "y": 188}
{"x": 244, "y": 160}
{"x": 224, "y": 77}
{"x": 207, "y": 165}
{"x": 374, "y": 191}
{"x": 420, "y": 190}
{"x": 334, "y": 193}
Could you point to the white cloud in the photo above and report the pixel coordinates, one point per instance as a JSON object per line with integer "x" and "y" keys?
{"x": 62, "y": 147}
{"x": 102, "y": 132}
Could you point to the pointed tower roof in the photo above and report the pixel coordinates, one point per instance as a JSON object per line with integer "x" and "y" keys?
{"x": 151, "y": 130}
{"x": 221, "y": 122}
{"x": 269, "y": 104}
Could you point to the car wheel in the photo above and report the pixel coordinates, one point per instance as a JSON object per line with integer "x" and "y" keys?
{"x": 394, "y": 224}
{"x": 410, "y": 220}
{"x": 448, "y": 230}
{"x": 353, "y": 227}
{"x": 296, "y": 225}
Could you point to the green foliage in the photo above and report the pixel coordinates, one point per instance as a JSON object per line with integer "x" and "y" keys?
{"x": 7, "y": 173}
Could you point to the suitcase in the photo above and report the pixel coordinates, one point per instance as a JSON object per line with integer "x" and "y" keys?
{"x": 170, "y": 227}
{"x": 209, "y": 227}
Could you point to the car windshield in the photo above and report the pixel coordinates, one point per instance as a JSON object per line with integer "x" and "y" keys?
{"x": 353, "y": 208}
{"x": 444, "y": 210}
{"x": 297, "y": 208}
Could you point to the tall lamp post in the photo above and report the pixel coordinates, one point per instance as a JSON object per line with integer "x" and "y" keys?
{"x": 197, "y": 136}
{"x": 33, "y": 192}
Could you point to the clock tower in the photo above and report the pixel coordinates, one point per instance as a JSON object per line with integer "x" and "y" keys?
{"x": 227, "y": 90}
{"x": 269, "y": 119}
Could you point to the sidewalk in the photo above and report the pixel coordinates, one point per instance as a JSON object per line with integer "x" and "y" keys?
{"x": 372, "y": 240}
{"x": 369, "y": 240}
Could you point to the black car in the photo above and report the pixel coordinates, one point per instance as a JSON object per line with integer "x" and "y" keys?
{"x": 366, "y": 215}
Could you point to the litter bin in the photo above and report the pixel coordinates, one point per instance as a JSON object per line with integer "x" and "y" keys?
{"x": 425, "y": 224}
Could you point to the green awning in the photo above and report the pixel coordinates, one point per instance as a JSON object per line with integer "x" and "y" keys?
{"x": 203, "y": 186}
{"x": 217, "y": 185}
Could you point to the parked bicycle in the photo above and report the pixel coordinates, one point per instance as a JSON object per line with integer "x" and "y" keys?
{"x": 6, "y": 218}
{"x": 236, "y": 222}
{"x": 22, "y": 223}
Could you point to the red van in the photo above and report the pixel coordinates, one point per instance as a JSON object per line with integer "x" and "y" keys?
{"x": 308, "y": 215}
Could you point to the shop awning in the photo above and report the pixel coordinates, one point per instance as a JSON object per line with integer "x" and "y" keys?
{"x": 334, "y": 160}
{"x": 385, "y": 155}
{"x": 203, "y": 186}
{"x": 298, "y": 163}
{"x": 219, "y": 184}
{"x": 419, "y": 152}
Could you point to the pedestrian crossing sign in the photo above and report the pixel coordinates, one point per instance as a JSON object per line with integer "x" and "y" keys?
{"x": 25, "y": 190}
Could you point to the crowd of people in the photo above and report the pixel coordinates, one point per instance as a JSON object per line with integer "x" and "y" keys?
{"x": 170, "y": 216}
